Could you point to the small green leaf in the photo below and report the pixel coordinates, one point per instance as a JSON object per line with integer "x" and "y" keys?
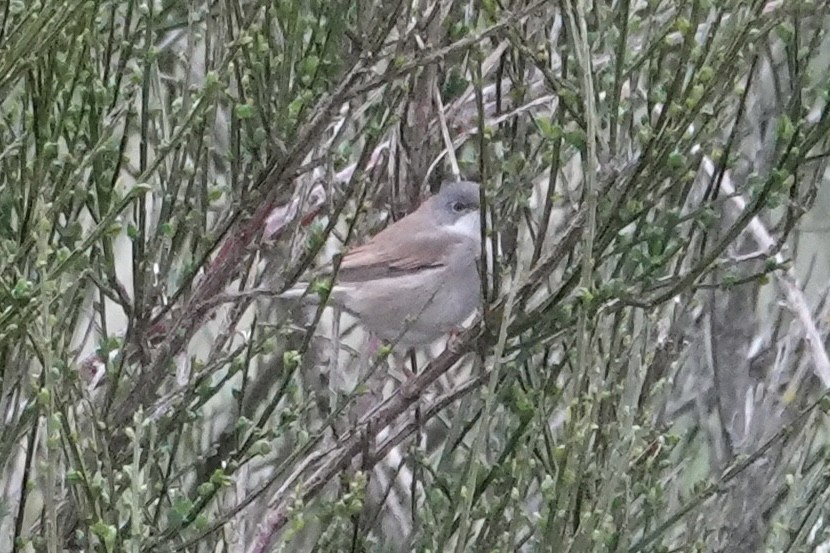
{"x": 74, "y": 477}
{"x": 785, "y": 129}
{"x": 215, "y": 194}
{"x": 205, "y": 489}
{"x": 548, "y": 129}
{"x": 177, "y": 513}
{"x": 22, "y": 289}
{"x": 243, "y": 111}
{"x": 201, "y": 522}
{"x": 309, "y": 65}
{"x": 676, "y": 160}
{"x": 291, "y": 359}
{"x": 295, "y": 106}
{"x": 220, "y": 479}
{"x": 261, "y": 447}
{"x": 106, "y": 532}
{"x": 322, "y": 287}
{"x": 575, "y": 138}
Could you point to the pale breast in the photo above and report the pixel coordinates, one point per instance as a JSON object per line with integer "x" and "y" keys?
{"x": 423, "y": 307}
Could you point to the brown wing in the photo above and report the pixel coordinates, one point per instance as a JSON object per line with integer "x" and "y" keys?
{"x": 401, "y": 248}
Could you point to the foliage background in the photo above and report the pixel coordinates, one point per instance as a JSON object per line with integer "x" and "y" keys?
{"x": 649, "y": 371}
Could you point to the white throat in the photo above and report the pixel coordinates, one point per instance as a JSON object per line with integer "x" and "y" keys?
{"x": 468, "y": 225}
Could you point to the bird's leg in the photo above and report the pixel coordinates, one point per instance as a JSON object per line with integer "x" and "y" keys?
{"x": 408, "y": 380}
{"x": 413, "y": 364}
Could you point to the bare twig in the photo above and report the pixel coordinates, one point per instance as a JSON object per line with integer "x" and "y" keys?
{"x": 786, "y": 279}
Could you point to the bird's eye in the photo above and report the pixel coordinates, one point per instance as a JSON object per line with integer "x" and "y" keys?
{"x": 458, "y": 207}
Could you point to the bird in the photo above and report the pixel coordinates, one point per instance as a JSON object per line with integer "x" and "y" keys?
{"x": 419, "y": 278}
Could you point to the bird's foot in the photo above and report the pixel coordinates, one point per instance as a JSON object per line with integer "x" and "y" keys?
{"x": 408, "y": 374}
{"x": 409, "y": 385}
{"x": 454, "y": 340}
